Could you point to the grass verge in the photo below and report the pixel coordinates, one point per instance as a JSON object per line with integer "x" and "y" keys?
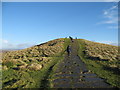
{"x": 100, "y": 68}
{"x": 25, "y": 78}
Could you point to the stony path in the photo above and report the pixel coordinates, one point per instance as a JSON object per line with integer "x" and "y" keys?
{"x": 72, "y": 73}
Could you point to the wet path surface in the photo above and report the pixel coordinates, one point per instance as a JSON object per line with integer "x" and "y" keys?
{"x": 72, "y": 73}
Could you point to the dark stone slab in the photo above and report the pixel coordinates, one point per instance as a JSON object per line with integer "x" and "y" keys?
{"x": 63, "y": 85}
{"x": 61, "y": 80}
{"x": 100, "y": 84}
{"x": 92, "y": 79}
{"x": 79, "y": 85}
{"x": 66, "y": 75}
{"x": 73, "y": 73}
{"x": 90, "y": 75}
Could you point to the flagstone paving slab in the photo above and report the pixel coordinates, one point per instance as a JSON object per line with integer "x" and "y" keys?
{"x": 73, "y": 73}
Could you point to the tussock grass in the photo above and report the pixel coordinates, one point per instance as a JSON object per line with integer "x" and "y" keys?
{"x": 101, "y": 51}
{"x": 105, "y": 67}
{"x": 31, "y": 67}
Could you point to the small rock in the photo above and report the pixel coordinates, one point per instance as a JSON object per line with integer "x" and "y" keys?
{"x": 81, "y": 72}
{"x": 89, "y": 71}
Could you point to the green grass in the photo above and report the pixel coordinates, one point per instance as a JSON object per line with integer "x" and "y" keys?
{"x": 51, "y": 76}
{"x": 101, "y": 68}
{"x": 29, "y": 78}
{"x": 26, "y": 79}
{"x": 43, "y": 78}
{"x": 9, "y": 64}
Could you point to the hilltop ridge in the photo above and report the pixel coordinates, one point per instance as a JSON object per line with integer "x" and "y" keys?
{"x": 38, "y": 63}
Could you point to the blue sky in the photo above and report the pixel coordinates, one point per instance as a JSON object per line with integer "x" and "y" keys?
{"x": 29, "y": 23}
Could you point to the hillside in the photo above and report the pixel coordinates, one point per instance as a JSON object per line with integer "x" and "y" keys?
{"x": 24, "y": 61}
{"x": 102, "y": 59}
{"x": 34, "y": 67}
{"x": 100, "y": 51}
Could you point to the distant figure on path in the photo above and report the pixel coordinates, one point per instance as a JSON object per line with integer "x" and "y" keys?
{"x": 71, "y": 38}
{"x": 68, "y": 50}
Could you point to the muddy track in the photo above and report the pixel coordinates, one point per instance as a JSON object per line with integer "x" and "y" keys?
{"x": 72, "y": 72}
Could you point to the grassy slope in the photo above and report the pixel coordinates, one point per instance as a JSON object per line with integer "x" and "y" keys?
{"x": 25, "y": 78}
{"x": 50, "y": 72}
{"x": 101, "y": 67}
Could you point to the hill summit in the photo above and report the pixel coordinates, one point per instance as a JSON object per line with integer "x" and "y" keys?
{"x": 34, "y": 67}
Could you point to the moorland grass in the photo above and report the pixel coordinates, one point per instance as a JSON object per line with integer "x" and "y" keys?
{"x": 25, "y": 78}
{"x": 101, "y": 68}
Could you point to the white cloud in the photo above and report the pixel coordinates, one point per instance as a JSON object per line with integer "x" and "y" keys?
{"x": 5, "y": 41}
{"x": 115, "y": 44}
{"x": 109, "y": 42}
{"x": 5, "y": 44}
{"x": 106, "y": 42}
{"x": 111, "y": 17}
{"x": 114, "y": 27}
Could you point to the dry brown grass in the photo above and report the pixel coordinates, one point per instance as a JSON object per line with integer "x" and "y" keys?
{"x": 43, "y": 50}
{"x": 35, "y": 66}
{"x": 26, "y": 58}
{"x": 101, "y": 51}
